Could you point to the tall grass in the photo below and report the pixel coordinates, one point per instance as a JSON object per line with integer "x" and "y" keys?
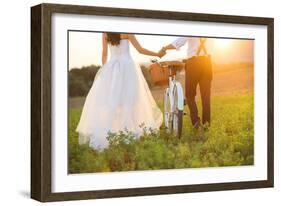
{"x": 229, "y": 141}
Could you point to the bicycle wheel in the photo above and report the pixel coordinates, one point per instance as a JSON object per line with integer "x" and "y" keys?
{"x": 177, "y": 115}
{"x": 167, "y": 111}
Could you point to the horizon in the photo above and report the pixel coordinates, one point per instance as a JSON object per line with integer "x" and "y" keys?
{"x": 148, "y": 63}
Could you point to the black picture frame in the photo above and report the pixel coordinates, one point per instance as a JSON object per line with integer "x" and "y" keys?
{"x": 41, "y": 117}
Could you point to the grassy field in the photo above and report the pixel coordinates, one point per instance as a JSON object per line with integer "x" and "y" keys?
{"x": 228, "y": 142}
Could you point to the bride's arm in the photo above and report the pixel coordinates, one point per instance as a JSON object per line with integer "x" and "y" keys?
{"x": 142, "y": 50}
{"x": 104, "y": 48}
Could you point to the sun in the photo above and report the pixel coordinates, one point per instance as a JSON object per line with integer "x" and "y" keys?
{"x": 223, "y": 43}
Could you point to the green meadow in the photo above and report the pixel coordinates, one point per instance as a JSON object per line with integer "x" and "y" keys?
{"x": 229, "y": 141}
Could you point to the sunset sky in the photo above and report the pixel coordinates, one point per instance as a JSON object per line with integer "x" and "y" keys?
{"x": 85, "y": 49}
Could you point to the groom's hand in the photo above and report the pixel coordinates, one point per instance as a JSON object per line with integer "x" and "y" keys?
{"x": 162, "y": 52}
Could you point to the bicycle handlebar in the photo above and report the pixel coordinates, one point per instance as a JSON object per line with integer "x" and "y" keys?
{"x": 169, "y": 64}
{"x": 161, "y": 64}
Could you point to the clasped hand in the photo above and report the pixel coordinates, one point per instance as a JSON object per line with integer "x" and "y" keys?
{"x": 162, "y": 52}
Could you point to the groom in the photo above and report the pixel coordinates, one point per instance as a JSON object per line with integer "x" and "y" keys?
{"x": 198, "y": 72}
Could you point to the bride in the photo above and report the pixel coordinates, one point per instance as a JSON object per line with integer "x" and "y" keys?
{"x": 119, "y": 98}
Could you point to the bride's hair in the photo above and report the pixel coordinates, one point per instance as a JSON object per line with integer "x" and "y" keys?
{"x": 113, "y": 38}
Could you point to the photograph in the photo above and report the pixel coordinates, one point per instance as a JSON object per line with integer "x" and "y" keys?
{"x": 132, "y": 102}
{"x": 139, "y": 101}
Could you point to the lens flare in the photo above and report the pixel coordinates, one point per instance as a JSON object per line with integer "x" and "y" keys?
{"x": 223, "y": 43}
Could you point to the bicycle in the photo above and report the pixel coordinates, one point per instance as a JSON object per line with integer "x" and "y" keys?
{"x": 173, "y": 98}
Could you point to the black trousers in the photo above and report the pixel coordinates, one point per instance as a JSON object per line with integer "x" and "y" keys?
{"x": 199, "y": 72}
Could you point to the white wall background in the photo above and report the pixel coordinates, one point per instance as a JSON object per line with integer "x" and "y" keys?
{"x": 15, "y": 102}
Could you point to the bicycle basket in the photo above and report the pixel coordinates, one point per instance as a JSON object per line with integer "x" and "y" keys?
{"x": 159, "y": 75}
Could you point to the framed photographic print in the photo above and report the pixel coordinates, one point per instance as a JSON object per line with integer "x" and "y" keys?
{"x": 130, "y": 102}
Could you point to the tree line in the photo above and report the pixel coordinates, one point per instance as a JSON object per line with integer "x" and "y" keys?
{"x": 80, "y": 80}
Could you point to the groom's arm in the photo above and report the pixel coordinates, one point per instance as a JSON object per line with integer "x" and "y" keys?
{"x": 177, "y": 44}
{"x": 168, "y": 47}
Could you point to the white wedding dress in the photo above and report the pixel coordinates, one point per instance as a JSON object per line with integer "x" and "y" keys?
{"x": 118, "y": 100}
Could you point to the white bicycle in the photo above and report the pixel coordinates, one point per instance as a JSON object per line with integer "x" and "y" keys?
{"x": 173, "y": 99}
